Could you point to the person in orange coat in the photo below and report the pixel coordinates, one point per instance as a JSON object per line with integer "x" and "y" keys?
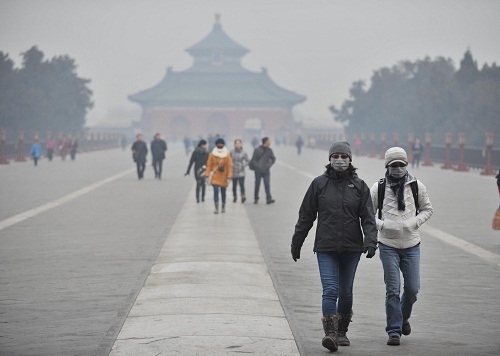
{"x": 219, "y": 171}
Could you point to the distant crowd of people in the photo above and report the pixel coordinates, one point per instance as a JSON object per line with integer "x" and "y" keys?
{"x": 62, "y": 148}
{"x": 214, "y": 165}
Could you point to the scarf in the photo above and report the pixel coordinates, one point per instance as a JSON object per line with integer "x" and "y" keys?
{"x": 220, "y": 152}
{"x": 397, "y": 185}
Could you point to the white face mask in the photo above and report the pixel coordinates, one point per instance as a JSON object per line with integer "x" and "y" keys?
{"x": 339, "y": 164}
{"x": 397, "y": 172}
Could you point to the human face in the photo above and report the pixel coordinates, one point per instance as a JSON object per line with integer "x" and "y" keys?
{"x": 397, "y": 165}
{"x": 237, "y": 144}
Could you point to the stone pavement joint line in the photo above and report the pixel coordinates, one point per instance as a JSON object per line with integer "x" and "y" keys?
{"x": 67, "y": 198}
{"x": 209, "y": 292}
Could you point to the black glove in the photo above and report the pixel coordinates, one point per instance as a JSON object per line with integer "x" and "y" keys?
{"x": 370, "y": 250}
{"x": 295, "y": 253}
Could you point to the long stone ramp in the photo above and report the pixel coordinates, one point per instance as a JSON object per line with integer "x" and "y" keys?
{"x": 208, "y": 293}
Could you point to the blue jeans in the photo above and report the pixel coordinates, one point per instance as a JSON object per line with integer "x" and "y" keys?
{"x": 222, "y": 193}
{"x": 398, "y": 310}
{"x": 267, "y": 184}
{"x": 337, "y": 271}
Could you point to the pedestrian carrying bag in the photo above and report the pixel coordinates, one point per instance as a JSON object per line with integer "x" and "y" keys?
{"x": 381, "y": 194}
{"x": 496, "y": 220}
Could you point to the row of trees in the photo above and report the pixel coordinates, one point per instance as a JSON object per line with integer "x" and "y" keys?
{"x": 42, "y": 94}
{"x": 426, "y": 96}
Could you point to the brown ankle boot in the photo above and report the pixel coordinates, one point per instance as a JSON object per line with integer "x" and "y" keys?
{"x": 330, "y": 326}
{"x": 344, "y": 320}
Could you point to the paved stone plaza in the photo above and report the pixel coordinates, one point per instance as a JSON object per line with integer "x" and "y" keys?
{"x": 95, "y": 262}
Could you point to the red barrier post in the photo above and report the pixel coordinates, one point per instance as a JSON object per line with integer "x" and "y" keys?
{"x": 411, "y": 140}
{"x": 3, "y": 156}
{"x": 461, "y": 142}
{"x": 428, "y": 140}
{"x": 372, "y": 144}
{"x": 488, "y": 169}
{"x": 447, "y": 140}
{"x": 395, "y": 139}
{"x": 20, "y": 146}
{"x": 383, "y": 141}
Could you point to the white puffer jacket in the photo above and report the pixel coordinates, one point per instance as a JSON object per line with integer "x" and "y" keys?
{"x": 399, "y": 229}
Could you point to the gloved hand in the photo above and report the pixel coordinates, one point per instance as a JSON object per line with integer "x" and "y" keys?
{"x": 370, "y": 252}
{"x": 295, "y": 253}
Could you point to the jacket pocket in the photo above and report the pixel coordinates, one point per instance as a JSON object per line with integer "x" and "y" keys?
{"x": 410, "y": 224}
{"x": 391, "y": 229}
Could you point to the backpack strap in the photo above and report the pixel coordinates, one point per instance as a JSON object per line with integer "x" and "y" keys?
{"x": 381, "y": 194}
{"x": 414, "y": 190}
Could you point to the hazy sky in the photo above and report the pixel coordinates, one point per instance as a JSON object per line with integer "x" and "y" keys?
{"x": 314, "y": 47}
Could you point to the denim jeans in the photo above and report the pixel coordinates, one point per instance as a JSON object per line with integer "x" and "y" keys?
{"x": 337, "y": 271}
{"x": 267, "y": 186}
{"x": 241, "y": 181}
{"x": 398, "y": 309}
{"x": 222, "y": 193}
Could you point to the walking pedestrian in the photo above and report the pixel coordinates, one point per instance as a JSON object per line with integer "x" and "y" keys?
{"x": 72, "y": 147}
{"x": 219, "y": 170}
{"x": 403, "y": 206}
{"x": 346, "y": 228}
{"x": 240, "y": 160}
{"x": 36, "y": 151}
{"x": 299, "y": 143}
{"x": 139, "y": 153}
{"x": 199, "y": 158}
{"x": 63, "y": 148}
{"x": 416, "y": 152}
{"x": 51, "y": 147}
{"x": 187, "y": 145}
{"x": 158, "y": 149}
{"x": 262, "y": 160}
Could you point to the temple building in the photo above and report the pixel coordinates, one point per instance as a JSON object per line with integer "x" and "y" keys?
{"x": 217, "y": 95}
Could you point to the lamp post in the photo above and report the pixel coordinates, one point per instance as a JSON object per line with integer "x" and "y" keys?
{"x": 428, "y": 140}
{"x": 488, "y": 169}
{"x": 447, "y": 140}
{"x": 461, "y": 143}
{"x": 20, "y": 147}
{"x": 383, "y": 140}
{"x": 3, "y": 156}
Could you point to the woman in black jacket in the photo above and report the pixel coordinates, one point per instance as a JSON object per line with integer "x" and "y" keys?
{"x": 199, "y": 159}
{"x": 344, "y": 208}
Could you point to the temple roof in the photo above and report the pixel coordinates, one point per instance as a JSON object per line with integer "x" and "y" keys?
{"x": 217, "y": 40}
{"x": 217, "y": 79}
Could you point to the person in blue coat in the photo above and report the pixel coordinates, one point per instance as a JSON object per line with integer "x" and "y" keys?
{"x": 36, "y": 151}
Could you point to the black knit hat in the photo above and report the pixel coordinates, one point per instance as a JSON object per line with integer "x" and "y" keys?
{"x": 340, "y": 147}
{"x": 220, "y": 141}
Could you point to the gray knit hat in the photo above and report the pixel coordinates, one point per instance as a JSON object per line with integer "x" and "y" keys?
{"x": 340, "y": 147}
{"x": 395, "y": 154}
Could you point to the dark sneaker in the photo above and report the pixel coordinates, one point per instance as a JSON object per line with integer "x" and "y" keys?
{"x": 271, "y": 201}
{"x": 393, "y": 340}
{"x": 406, "y": 328}
{"x": 256, "y": 201}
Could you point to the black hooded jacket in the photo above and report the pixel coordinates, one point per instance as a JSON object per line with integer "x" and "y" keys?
{"x": 199, "y": 158}
{"x": 344, "y": 208}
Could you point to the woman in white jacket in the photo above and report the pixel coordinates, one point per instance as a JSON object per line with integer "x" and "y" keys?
{"x": 399, "y": 239}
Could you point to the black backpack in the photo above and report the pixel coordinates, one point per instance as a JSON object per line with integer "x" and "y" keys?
{"x": 381, "y": 194}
